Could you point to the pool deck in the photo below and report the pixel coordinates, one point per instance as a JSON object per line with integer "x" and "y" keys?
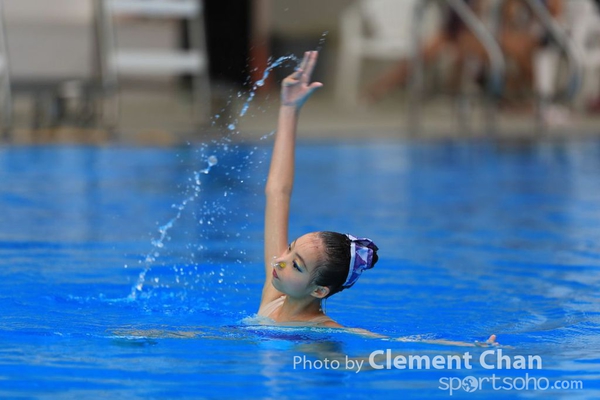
{"x": 165, "y": 118}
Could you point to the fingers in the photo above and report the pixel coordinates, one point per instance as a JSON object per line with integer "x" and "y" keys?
{"x": 303, "y": 73}
{"x": 305, "y": 70}
{"x": 311, "y": 61}
{"x": 294, "y": 78}
{"x": 304, "y": 62}
{"x": 490, "y": 342}
{"x": 314, "y": 86}
{"x": 307, "y": 65}
{"x": 297, "y": 74}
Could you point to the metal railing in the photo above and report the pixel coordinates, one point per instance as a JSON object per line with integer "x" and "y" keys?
{"x": 561, "y": 38}
{"x": 574, "y": 70}
{"x": 5, "y": 82}
{"x": 138, "y": 62}
{"x": 497, "y": 65}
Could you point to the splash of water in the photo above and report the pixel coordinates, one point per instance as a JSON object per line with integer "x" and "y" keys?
{"x": 268, "y": 135}
{"x": 163, "y": 230}
{"x": 322, "y": 40}
{"x": 211, "y": 161}
{"x": 261, "y": 82}
{"x": 158, "y": 243}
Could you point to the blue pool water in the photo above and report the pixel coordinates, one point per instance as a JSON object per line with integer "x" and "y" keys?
{"x": 475, "y": 238}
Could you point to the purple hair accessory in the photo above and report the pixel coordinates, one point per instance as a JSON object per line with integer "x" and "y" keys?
{"x": 361, "y": 258}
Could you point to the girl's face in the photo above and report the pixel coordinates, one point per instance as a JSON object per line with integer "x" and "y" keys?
{"x": 292, "y": 271}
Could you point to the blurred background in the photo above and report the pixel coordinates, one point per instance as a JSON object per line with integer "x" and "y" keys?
{"x": 172, "y": 71}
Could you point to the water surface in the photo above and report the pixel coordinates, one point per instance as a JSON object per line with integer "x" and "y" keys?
{"x": 475, "y": 238}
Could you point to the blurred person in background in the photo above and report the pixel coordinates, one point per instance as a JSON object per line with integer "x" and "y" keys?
{"x": 594, "y": 104}
{"x": 519, "y": 37}
{"x": 454, "y": 36}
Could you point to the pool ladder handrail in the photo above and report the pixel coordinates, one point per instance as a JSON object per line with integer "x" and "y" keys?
{"x": 564, "y": 42}
{"x": 5, "y": 82}
{"x": 495, "y": 84}
{"x": 116, "y": 61}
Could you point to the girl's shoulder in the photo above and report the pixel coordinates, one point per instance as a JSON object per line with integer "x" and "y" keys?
{"x": 325, "y": 321}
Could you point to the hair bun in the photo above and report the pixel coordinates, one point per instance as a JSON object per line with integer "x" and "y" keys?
{"x": 363, "y": 255}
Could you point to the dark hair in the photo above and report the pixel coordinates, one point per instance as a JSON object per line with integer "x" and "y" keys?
{"x": 333, "y": 271}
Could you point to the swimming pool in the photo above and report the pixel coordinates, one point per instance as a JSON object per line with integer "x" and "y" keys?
{"x": 475, "y": 237}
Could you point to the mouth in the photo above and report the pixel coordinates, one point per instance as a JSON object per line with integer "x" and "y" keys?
{"x": 275, "y": 274}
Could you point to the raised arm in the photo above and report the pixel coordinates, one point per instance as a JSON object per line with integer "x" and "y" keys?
{"x": 295, "y": 90}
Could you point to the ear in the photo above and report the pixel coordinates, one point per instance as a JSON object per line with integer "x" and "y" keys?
{"x": 320, "y": 292}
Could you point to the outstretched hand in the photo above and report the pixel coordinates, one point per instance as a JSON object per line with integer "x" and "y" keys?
{"x": 490, "y": 342}
{"x": 297, "y": 88}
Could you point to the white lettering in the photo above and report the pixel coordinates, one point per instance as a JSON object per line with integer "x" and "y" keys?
{"x": 482, "y": 361}
{"x": 400, "y": 362}
{"x": 354, "y": 364}
{"x": 538, "y": 361}
{"x": 500, "y": 358}
{"x": 372, "y": 362}
{"x": 439, "y": 362}
{"x": 297, "y": 360}
{"x": 418, "y": 359}
{"x": 519, "y": 362}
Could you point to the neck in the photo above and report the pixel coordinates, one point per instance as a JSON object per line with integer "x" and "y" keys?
{"x": 300, "y": 309}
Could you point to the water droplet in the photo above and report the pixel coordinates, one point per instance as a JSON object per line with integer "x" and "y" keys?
{"x": 231, "y": 127}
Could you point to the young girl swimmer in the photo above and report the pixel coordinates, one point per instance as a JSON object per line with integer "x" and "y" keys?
{"x": 319, "y": 264}
{"x": 300, "y": 274}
